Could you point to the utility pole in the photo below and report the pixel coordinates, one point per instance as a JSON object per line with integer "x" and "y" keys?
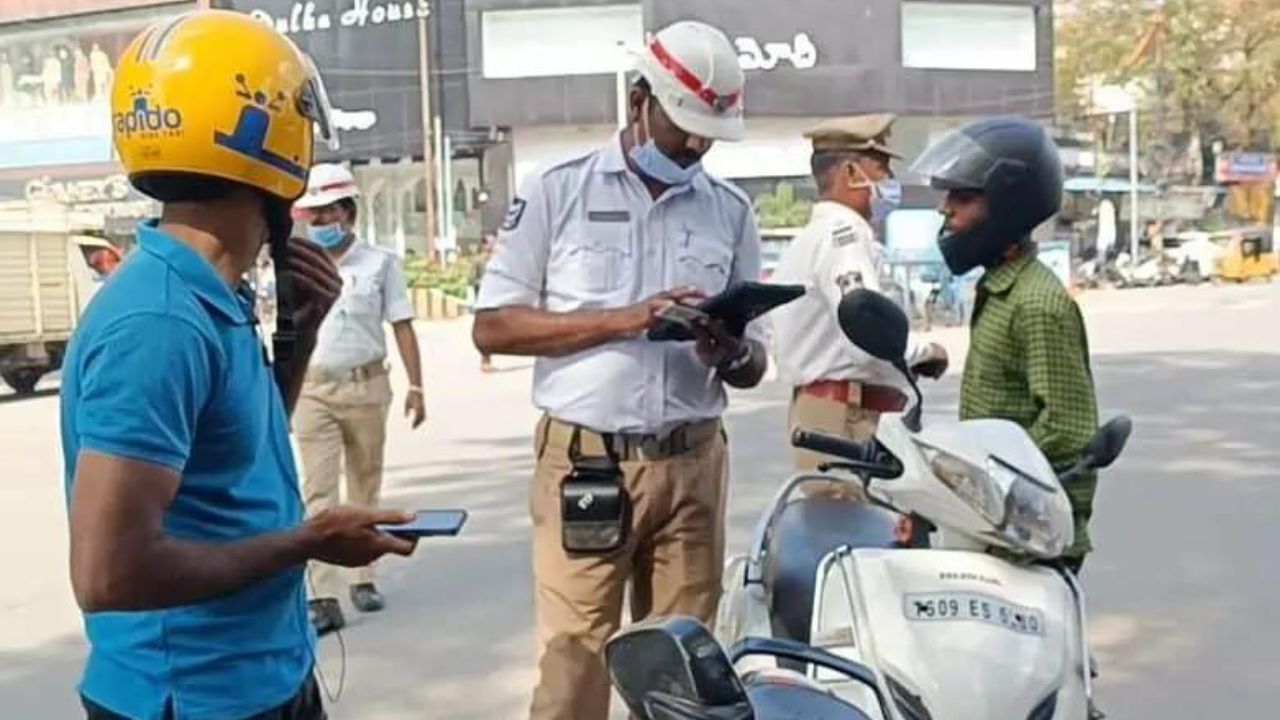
{"x": 428, "y": 145}
{"x": 1133, "y": 182}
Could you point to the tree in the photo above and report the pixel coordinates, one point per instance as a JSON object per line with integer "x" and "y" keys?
{"x": 781, "y": 209}
{"x": 1207, "y": 70}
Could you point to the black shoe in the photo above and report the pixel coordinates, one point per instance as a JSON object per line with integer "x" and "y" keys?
{"x": 366, "y": 598}
{"x": 326, "y": 616}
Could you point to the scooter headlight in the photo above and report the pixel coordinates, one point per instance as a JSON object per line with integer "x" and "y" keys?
{"x": 1020, "y": 508}
{"x": 970, "y": 482}
{"x": 1030, "y": 521}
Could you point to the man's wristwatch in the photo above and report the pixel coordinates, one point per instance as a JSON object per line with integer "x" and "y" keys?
{"x": 737, "y": 362}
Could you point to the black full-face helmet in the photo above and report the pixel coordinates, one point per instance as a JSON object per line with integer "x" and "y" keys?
{"x": 1016, "y": 166}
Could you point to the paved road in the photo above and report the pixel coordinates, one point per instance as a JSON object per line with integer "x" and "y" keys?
{"x": 1184, "y": 589}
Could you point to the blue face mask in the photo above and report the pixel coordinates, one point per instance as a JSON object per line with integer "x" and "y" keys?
{"x": 655, "y": 164}
{"x": 886, "y": 197}
{"x": 327, "y": 236}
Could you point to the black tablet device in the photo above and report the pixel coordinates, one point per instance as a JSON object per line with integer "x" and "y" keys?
{"x": 736, "y": 306}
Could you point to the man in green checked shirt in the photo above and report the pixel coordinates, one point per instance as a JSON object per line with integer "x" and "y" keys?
{"x": 1028, "y": 357}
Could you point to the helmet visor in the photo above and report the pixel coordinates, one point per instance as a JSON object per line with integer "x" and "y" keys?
{"x": 955, "y": 162}
{"x": 313, "y": 104}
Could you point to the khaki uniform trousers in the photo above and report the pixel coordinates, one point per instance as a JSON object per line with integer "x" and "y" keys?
{"x": 673, "y": 558}
{"x": 337, "y": 420}
{"x": 833, "y": 417}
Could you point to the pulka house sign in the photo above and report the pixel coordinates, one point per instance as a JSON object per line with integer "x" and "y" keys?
{"x": 367, "y": 52}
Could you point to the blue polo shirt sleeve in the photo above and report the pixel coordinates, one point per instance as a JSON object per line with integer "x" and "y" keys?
{"x": 143, "y": 382}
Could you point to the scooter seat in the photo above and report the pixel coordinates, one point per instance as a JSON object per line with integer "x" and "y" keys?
{"x": 806, "y": 530}
{"x": 786, "y": 701}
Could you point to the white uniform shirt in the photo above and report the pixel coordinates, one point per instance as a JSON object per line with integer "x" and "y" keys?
{"x": 835, "y": 253}
{"x": 586, "y": 234}
{"x": 373, "y": 292}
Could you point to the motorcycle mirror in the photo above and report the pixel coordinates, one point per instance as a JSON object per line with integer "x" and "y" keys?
{"x": 678, "y": 663}
{"x": 875, "y": 325}
{"x": 1108, "y": 443}
{"x": 878, "y": 327}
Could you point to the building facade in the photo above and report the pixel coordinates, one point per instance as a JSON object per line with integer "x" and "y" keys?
{"x": 514, "y": 84}
{"x": 549, "y": 75}
{"x": 57, "y": 60}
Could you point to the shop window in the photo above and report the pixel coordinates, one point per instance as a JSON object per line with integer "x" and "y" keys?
{"x": 959, "y": 36}
{"x": 55, "y": 86}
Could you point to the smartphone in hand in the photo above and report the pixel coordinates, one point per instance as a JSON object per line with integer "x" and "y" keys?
{"x": 428, "y": 523}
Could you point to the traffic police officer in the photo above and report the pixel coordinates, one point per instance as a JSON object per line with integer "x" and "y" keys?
{"x": 342, "y": 412}
{"x": 837, "y": 388}
{"x": 188, "y": 545}
{"x": 593, "y": 249}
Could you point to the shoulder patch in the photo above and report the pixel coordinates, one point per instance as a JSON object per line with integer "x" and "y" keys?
{"x": 842, "y": 235}
{"x": 514, "y": 214}
{"x": 848, "y": 282}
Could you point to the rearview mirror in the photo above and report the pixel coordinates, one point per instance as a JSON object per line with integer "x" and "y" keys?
{"x": 878, "y": 327}
{"x": 875, "y": 324}
{"x": 1108, "y": 443}
{"x": 674, "y": 666}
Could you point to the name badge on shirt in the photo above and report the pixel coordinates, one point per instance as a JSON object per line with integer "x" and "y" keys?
{"x": 608, "y": 216}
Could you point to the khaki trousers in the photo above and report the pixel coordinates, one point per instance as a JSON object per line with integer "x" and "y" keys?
{"x": 673, "y": 559}
{"x": 842, "y": 419}
{"x": 336, "y": 421}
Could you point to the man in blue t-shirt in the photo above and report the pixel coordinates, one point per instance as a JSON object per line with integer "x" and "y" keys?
{"x": 188, "y": 544}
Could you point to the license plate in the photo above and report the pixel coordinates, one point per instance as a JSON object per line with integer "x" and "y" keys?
{"x": 947, "y": 606}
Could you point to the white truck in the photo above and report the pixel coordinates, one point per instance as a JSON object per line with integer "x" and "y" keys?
{"x": 45, "y": 283}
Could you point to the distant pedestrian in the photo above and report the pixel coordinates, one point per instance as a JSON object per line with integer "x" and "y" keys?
{"x": 342, "y": 412}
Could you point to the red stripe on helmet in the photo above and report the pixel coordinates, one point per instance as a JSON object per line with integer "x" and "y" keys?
{"x": 335, "y": 186}
{"x": 692, "y": 82}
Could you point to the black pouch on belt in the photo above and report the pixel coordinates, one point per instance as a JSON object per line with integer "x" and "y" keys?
{"x": 595, "y": 510}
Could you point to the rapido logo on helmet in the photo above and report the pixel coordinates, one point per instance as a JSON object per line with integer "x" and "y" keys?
{"x": 147, "y": 119}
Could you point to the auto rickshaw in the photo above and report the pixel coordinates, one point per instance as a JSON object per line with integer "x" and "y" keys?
{"x": 1248, "y": 255}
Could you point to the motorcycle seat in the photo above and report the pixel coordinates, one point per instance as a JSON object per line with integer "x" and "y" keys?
{"x": 806, "y": 530}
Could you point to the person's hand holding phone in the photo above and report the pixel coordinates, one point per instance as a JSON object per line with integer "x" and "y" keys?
{"x": 647, "y": 314}
{"x": 346, "y": 535}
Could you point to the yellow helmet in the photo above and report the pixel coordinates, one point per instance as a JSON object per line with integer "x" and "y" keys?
{"x": 214, "y": 93}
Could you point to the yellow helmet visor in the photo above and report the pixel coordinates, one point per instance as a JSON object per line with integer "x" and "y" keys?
{"x": 313, "y": 104}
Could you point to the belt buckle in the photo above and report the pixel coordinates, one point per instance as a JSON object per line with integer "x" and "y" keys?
{"x": 648, "y": 447}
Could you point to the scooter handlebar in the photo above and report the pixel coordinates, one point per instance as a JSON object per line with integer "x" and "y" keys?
{"x": 864, "y": 457}
{"x": 832, "y": 445}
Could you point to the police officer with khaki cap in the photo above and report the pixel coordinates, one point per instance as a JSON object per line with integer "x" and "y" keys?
{"x": 837, "y": 388}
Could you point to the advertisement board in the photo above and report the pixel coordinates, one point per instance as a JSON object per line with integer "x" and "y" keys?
{"x": 368, "y": 54}
{"x": 55, "y": 85}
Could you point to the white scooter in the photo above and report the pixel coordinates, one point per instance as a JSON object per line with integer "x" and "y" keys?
{"x": 950, "y": 630}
